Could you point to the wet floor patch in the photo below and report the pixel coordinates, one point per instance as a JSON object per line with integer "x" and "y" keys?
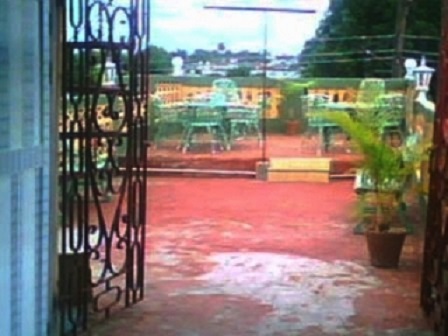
{"x": 302, "y": 292}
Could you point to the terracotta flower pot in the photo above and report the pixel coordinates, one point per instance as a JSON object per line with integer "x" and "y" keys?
{"x": 385, "y": 248}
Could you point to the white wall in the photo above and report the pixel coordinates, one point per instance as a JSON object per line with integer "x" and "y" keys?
{"x": 27, "y": 179}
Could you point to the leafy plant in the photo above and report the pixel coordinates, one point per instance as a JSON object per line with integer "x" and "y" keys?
{"x": 386, "y": 167}
{"x": 330, "y": 54}
{"x": 291, "y": 98}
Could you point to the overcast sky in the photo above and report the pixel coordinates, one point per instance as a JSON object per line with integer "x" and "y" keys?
{"x": 185, "y": 24}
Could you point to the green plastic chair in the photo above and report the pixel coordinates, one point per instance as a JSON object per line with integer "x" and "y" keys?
{"x": 392, "y": 107}
{"x": 168, "y": 121}
{"x": 384, "y": 112}
{"x": 370, "y": 89}
{"x": 314, "y": 103}
{"x": 227, "y": 87}
{"x": 208, "y": 119}
{"x": 244, "y": 121}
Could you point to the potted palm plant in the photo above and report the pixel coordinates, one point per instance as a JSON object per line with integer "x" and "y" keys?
{"x": 384, "y": 174}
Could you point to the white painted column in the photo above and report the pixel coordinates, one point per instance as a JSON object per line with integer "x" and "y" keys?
{"x": 27, "y": 159}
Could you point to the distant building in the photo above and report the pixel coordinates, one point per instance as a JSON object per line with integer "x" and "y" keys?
{"x": 279, "y": 67}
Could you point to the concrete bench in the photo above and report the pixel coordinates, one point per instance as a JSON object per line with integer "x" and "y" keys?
{"x": 299, "y": 170}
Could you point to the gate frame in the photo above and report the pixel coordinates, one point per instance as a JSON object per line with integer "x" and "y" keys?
{"x": 80, "y": 180}
{"x": 434, "y": 289}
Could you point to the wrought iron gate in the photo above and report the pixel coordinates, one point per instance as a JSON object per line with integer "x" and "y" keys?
{"x": 434, "y": 286}
{"x": 102, "y": 149}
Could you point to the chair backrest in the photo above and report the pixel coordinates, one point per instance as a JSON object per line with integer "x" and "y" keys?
{"x": 223, "y": 84}
{"x": 217, "y": 99}
{"x": 389, "y": 111}
{"x": 312, "y": 103}
{"x": 394, "y": 103}
{"x": 226, "y": 87}
{"x": 393, "y": 100}
{"x": 370, "y": 89}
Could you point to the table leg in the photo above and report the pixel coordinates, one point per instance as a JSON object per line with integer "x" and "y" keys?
{"x": 326, "y": 138}
{"x": 321, "y": 146}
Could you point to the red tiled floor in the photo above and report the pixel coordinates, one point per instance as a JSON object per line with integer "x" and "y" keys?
{"x": 240, "y": 257}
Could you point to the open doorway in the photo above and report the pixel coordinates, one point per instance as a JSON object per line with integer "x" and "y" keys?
{"x": 209, "y": 132}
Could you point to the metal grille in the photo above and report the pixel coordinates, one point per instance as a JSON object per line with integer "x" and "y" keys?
{"x": 434, "y": 289}
{"x": 103, "y": 154}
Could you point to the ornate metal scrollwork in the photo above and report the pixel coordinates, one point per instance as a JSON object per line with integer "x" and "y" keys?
{"x": 103, "y": 129}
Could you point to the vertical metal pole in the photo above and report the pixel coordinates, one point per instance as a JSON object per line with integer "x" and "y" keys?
{"x": 264, "y": 85}
{"x": 265, "y": 10}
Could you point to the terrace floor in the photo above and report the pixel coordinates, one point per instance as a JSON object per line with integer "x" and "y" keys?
{"x": 243, "y": 257}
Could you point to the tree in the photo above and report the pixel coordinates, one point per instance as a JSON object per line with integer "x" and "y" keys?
{"x": 181, "y": 53}
{"x": 83, "y": 68}
{"x": 242, "y": 71}
{"x": 159, "y": 60}
{"x": 337, "y": 51}
{"x": 221, "y": 47}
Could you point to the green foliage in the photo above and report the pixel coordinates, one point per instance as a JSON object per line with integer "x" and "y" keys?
{"x": 387, "y": 167}
{"x": 242, "y": 71}
{"x": 369, "y": 56}
{"x": 159, "y": 61}
{"x": 381, "y": 162}
{"x": 291, "y": 105}
{"x": 83, "y": 68}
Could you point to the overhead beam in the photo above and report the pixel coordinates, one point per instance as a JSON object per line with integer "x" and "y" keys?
{"x": 263, "y": 9}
